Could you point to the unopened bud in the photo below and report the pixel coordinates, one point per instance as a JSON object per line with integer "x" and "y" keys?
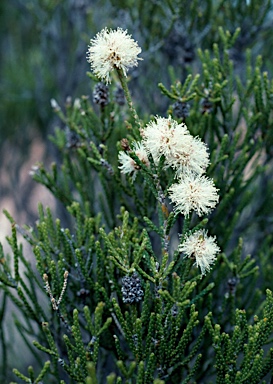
{"x": 125, "y": 145}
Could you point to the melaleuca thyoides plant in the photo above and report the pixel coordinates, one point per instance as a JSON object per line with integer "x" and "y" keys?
{"x": 150, "y": 281}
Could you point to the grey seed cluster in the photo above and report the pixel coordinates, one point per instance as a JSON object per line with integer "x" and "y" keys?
{"x": 206, "y": 106}
{"x": 131, "y": 289}
{"x": 72, "y": 138}
{"x": 181, "y": 109}
{"x": 101, "y": 94}
{"x": 119, "y": 96}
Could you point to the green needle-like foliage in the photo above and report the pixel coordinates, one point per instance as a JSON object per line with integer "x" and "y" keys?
{"x": 131, "y": 288}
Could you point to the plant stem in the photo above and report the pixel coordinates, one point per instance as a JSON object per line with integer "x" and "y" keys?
{"x": 125, "y": 88}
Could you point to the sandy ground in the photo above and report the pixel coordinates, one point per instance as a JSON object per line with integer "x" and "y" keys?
{"x": 21, "y": 199}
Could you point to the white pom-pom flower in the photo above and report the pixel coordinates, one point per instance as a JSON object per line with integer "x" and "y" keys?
{"x": 194, "y": 193}
{"x": 189, "y": 154}
{"x": 181, "y": 150}
{"x": 202, "y": 247}
{"x": 111, "y": 49}
{"x": 128, "y": 165}
{"x": 158, "y": 134}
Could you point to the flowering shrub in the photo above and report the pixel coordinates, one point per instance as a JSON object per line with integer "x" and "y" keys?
{"x": 136, "y": 289}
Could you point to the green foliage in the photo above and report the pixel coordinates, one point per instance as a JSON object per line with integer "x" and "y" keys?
{"x": 239, "y": 355}
{"x": 171, "y": 325}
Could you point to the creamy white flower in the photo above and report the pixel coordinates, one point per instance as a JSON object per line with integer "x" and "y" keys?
{"x": 128, "y": 165}
{"x": 194, "y": 193}
{"x": 158, "y": 134}
{"x": 181, "y": 150}
{"x": 202, "y": 247}
{"x": 188, "y": 154}
{"x": 112, "y": 49}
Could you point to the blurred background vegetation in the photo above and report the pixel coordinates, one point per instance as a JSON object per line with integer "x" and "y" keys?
{"x": 43, "y": 56}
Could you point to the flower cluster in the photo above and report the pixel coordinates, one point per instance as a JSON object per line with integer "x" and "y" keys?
{"x": 112, "y": 49}
{"x": 161, "y": 137}
{"x": 202, "y": 247}
{"x": 189, "y": 157}
{"x": 186, "y": 154}
{"x": 181, "y": 150}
